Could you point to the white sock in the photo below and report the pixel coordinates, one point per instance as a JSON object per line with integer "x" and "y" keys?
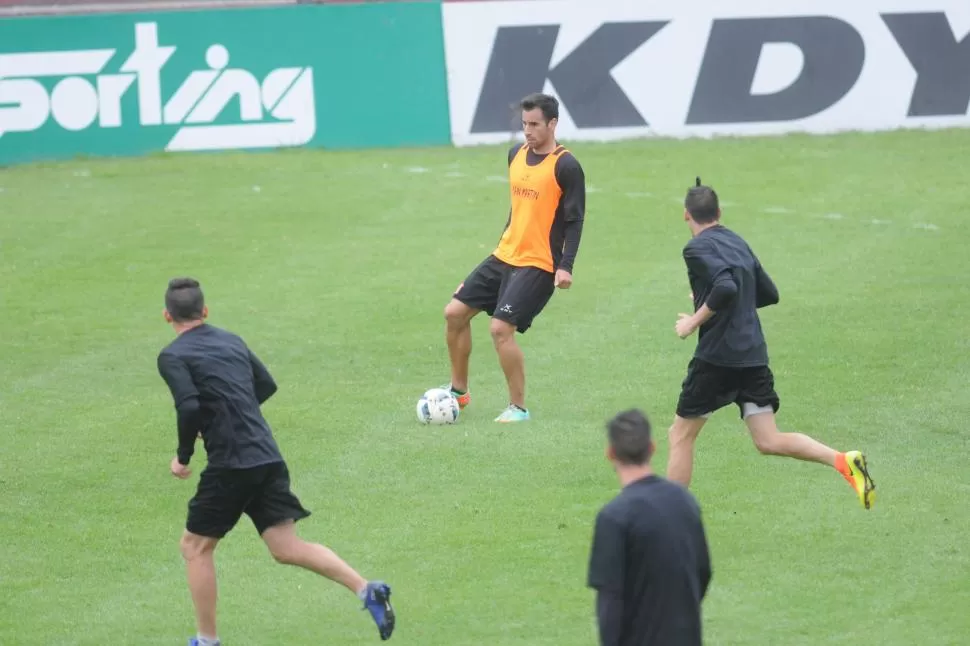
{"x": 207, "y": 641}
{"x": 362, "y": 593}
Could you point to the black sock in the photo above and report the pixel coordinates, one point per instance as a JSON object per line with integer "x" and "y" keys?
{"x": 458, "y": 392}
{"x": 518, "y": 408}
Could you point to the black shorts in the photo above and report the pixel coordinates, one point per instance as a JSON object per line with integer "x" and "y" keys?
{"x": 708, "y": 387}
{"x": 224, "y": 495}
{"x": 515, "y": 295}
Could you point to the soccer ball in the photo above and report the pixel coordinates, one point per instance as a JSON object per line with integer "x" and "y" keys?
{"x": 438, "y": 406}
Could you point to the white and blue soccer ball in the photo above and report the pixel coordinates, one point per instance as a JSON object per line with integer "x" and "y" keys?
{"x": 438, "y": 406}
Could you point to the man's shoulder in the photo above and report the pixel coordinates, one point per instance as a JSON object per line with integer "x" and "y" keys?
{"x": 659, "y": 488}
{"x": 569, "y": 170}
{"x": 514, "y": 150}
{"x": 724, "y": 233}
{"x": 567, "y": 160}
{"x": 167, "y": 353}
{"x": 619, "y": 506}
{"x": 614, "y": 513}
{"x": 222, "y": 332}
{"x": 696, "y": 244}
{"x": 712, "y": 237}
{"x": 228, "y": 339}
{"x": 677, "y": 496}
{"x": 172, "y": 348}
{"x": 171, "y": 358}
{"x": 206, "y": 336}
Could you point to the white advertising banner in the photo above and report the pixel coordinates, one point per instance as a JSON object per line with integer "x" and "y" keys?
{"x": 633, "y": 68}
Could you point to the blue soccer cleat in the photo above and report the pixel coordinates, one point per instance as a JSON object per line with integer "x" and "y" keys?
{"x": 194, "y": 641}
{"x": 378, "y": 602}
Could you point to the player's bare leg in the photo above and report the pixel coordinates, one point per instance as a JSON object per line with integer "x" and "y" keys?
{"x": 289, "y": 549}
{"x": 199, "y": 554}
{"x": 513, "y": 365}
{"x": 770, "y": 441}
{"x": 458, "y": 334}
{"x": 682, "y": 436}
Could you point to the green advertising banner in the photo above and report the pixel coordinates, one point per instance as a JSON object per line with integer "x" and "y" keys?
{"x": 347, "y": 76}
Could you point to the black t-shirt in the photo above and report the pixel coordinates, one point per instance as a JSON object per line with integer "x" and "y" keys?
{"x": 725, "y": 274}
{"x": 218, "y": 385}
{"x": 650, "y": 566}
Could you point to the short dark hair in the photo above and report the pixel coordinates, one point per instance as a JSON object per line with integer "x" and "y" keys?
{"x": 184, "y": 300}
{"x": 629, "y": 434}
{"x": 548, "y": 104}
{"x": 701, "y": 202}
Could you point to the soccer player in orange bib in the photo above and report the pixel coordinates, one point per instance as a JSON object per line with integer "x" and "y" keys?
{"x": 535, "y": 255}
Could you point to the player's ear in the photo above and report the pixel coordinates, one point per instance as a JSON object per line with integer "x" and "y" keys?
{"x": 205, "y": 312}
{"x": 610, "y": 453}
{"x": 166, "y": 316}
{"x": 651, "y": 450}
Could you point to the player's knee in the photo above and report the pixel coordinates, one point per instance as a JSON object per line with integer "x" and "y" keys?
{"x": 192, "y": 546}
{"x": 676, "y": 434}
{"x": 283, "y": 556}
{"x": 760, "y": 421}
{"x": 767, "y": 443}
{"x": 501, "y": 331}
{"x": 286, "y": 552}
{"x": 457, "y": 313}
{"x": 684, "y": 430}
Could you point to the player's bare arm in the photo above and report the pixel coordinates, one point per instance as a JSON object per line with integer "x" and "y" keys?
{"x": 687, "y": 324}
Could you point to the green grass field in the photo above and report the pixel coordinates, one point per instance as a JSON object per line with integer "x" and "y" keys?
{"x": 335, "y": 267}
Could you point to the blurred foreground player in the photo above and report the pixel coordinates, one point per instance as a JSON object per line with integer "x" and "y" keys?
{"x": 535, "y": 255}
{"x": 649, "y": 563}
{"x": 730, "y": 364}
{"x": 218, "y": 385}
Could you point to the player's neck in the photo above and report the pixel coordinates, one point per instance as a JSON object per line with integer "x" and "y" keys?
{"x": 628, "y": 474}
{"x": 185, "y": 327}
{"x": 697, "y": 229}
{"x": 545, "y": 148}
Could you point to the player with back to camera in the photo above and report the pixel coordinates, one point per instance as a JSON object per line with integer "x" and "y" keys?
{"x": 730, "y": 363}
{"x": 649, "y": 561}
{"x": 218, "y": 386}
{"x": 534, "y": 256}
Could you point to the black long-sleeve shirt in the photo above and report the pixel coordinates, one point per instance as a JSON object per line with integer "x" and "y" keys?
{"x": 650, "y": 566}
{"x": 726, "y": 275}
{"x": 218, "y": 385}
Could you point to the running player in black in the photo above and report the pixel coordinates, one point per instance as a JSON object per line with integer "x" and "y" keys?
{"x": 218, "y": 386}
{"x": 730, "y": 364}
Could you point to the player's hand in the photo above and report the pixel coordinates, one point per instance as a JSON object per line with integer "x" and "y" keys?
{"x": 563, "y": 279}
{"x": 685, "y": 325}
{"x": 179, "y": 470}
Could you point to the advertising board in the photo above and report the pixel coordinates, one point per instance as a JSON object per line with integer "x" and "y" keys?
{"x": 703, "y": 67}
{"x": 128, "y": 84}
